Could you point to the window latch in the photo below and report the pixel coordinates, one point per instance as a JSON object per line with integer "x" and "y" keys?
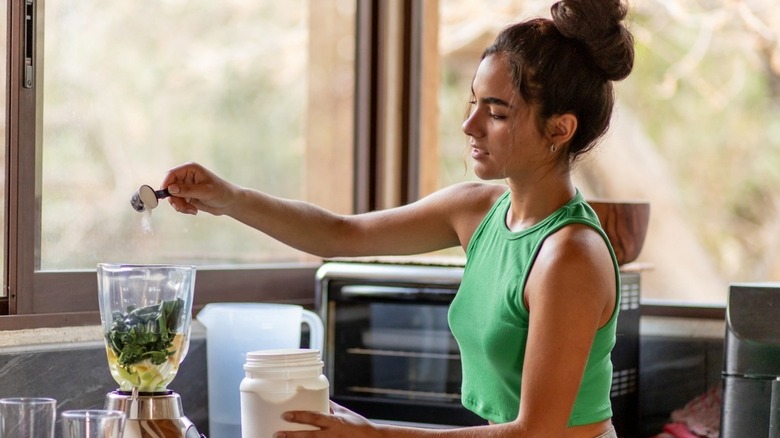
{"x": 29, "y": 44}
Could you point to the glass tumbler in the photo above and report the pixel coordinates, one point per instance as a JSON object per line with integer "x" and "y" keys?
{"x": 27, "y": 417}
{"x": 93, "y": 423}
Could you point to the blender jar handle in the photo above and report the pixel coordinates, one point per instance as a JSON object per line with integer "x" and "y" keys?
{"x": 316, "y": 330}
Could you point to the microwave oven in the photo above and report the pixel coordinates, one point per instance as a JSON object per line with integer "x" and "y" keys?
{"x": 389, "y": 354}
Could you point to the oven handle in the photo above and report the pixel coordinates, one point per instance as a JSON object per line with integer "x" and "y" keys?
{"x": 372, "y": 292}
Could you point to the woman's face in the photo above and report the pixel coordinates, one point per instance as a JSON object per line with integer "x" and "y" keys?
{"x": 502, "y": 128}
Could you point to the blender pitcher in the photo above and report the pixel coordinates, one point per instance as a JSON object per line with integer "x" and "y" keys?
{"x": 146, "y": 312}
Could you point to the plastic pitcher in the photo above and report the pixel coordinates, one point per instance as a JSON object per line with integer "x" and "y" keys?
{"x": 233, "y": 330}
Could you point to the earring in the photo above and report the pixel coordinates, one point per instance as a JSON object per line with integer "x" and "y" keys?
{"x": 553, "y": 148}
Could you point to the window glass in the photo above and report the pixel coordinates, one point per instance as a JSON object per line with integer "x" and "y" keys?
{"x": 250, "y": 88}
{"x": 696, "y": 132}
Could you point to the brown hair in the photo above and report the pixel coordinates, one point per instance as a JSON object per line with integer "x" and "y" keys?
{"x": 567, "y": 64}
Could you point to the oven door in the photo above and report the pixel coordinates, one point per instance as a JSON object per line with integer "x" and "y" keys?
{"x": 391, "y": 355}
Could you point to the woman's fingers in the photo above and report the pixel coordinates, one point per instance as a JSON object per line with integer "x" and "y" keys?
{"x": 308, "y": 417}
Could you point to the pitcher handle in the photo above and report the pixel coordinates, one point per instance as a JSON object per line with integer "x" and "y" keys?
{"x": 316, "y": 330}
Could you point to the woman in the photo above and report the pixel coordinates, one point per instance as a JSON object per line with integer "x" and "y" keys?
{"x": 540, "y": 274}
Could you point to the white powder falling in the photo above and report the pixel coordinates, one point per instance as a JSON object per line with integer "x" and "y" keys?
{"x": 146, "y": 221}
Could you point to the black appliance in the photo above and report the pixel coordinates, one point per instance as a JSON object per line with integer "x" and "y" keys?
{"x": 751, "y": 362}
{"x": 389, "y": 353}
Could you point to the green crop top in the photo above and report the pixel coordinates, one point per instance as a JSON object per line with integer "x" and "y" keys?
{"x": 490, "y": 320}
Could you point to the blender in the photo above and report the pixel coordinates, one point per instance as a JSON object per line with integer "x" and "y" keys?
{"x": 146, "y": 312}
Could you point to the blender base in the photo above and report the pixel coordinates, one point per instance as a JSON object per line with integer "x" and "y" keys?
{"x": 152, "y": 415}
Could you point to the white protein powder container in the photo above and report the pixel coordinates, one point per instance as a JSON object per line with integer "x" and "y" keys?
{"x": 278, "y": 381}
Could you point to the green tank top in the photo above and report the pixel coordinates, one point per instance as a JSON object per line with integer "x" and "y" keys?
{"x": 490, "y": 320}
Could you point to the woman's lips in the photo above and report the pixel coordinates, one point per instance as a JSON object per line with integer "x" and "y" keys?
{"x": 477, "y": 153}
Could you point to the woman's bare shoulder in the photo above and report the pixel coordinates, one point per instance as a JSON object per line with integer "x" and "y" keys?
{"x": 467, "y": 204}
{"x": 476, "y": 194}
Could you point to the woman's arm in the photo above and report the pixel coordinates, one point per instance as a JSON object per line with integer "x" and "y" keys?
{"x": 441, "y": 220}
{"x": 343, "y": 423}
{"x": 570, "y": 294}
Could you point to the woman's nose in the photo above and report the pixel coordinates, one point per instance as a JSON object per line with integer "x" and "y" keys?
{"x": 470, "y": 126}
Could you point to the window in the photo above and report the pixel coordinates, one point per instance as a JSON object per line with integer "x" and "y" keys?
{"x": 251, "y": 89}
{"x": 695, "y": 132}
{"x": 356, "y": 106}
{"x": 261, "y": 92}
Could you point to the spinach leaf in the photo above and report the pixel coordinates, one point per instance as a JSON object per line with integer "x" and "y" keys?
{"x": 145, "y": 333}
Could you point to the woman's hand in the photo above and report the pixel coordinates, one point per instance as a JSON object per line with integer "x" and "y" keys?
{"x": 194, "y": 188}
{"x": 340, "y": 423}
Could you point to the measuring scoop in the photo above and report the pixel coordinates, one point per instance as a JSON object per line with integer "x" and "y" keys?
{"x": 147, "y": 198}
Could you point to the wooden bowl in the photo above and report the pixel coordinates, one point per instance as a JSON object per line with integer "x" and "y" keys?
{"x": 625, "y": 224}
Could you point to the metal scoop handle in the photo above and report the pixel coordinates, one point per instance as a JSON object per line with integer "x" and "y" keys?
{"x": 162, "y": 194}
{"x": 146, "y": 198}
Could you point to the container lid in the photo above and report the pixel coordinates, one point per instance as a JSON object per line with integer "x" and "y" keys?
{"x": 284, "y": 357}
{"x": 284, "y": 362}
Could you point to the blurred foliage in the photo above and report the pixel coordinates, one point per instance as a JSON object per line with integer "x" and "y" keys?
{"x": 704, "y": 85}
{"x": 136, "y": 88}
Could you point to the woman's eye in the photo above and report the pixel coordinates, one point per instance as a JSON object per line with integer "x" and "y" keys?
{"x": 473, "y": 107}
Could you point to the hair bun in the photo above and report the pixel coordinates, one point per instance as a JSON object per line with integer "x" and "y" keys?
{"x": 597, "y": 24}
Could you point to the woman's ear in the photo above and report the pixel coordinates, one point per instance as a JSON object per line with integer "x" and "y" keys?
{"x": 561, "y": 128}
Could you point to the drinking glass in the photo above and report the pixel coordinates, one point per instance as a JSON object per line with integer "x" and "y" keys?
{"x": 92, "y": 423}
{"x": 27, "y": 417}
